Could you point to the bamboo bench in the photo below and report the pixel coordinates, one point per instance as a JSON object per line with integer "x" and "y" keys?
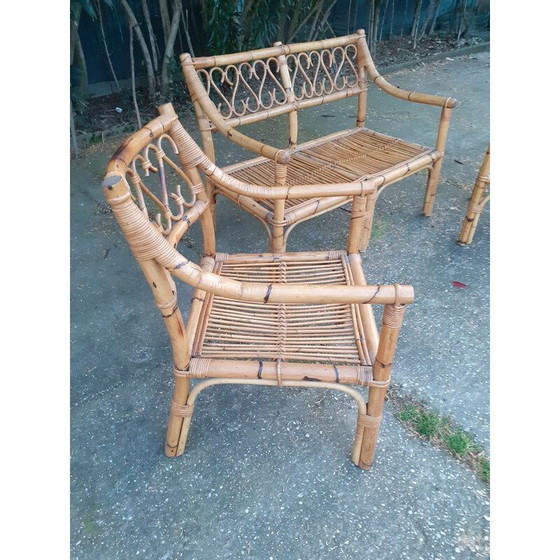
{"x": 281, "y": 319}
{"x": 236, "y": 89}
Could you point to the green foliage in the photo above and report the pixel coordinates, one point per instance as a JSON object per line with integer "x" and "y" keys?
{"x": 223, "y": 27}
{"x": 427, "y": 424}
{"x": 441, "y": 431}
{"x": 377, "y": 231}
{"x": 459, "y": 443}
{"x": 484, "y": 469}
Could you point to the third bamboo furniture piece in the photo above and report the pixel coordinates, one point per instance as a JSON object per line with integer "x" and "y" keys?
{"x": 236, "y": 89}
{"x": 477, "y": 201}
{"x": 285, "y": 319}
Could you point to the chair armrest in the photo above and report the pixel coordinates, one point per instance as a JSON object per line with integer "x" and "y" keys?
{"x": 413, "y": 96}
{"x": 384, "y": 85}
{"x": 200, "y": 96}
{"x": 147, "y": 243}
{"x": 269, "y": 293}
{"x": 361, "y": 188}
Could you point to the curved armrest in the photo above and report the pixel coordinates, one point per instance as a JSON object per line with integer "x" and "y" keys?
{"x": 361, "y": 188}
{"x": 413, "y": 96}
{"x": 198, "y": 94}
{"x": 262, "y": 292}
{"x": 147, "y": 243}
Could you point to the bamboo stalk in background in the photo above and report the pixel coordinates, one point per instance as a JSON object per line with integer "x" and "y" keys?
{"x": 133, "y": 78}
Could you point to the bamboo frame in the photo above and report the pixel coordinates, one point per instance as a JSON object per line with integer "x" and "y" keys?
{"x": 285, "y": 319}
{"x": 477, "y": 201}
{"x": 286, "y": 79}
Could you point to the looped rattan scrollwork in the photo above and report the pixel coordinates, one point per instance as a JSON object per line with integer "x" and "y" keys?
{"x": 317, "y": 73}
{"x": 249, "y": 87}
{"x": 244, "y": 88}
{"x": 162, "y": 206}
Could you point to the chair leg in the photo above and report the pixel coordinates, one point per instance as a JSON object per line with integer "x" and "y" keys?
{"x": 431, "y": 187}
{"x": 476, "y": 202}
{"x": 368, "y": 224}
{"x": 179, "y": 414}
{"x": 470, "y": 222}
{"x": 277, "y": 242}
{"x": 370, "y": 423}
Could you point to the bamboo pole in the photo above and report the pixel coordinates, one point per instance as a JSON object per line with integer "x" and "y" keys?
{"x": 287, "y": 83}
{"x": 392, "y": 321}
{"x": 434, "y": 172}
{"x": 476, "y": 201}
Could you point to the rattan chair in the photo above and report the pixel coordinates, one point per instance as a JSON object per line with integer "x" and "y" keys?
{"x": 283, "y": 319}
{"x": 477, "y": 201}
{"x": 237, "y": 89}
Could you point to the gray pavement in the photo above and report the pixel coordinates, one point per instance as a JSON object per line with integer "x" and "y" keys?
{"x": 267, "y": 472}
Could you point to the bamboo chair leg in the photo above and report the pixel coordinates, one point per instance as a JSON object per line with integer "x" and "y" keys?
{"x": 368, "y": 224}
{"x": 278, "y": 240}
{"x": 371, "y": 423}
{"x": 431, "y": 187}
{"x": 476, "y": 202}
{"x": 392, "y": 321}
{"x": 435, "y": 170}
{"x": 179, "y": 415}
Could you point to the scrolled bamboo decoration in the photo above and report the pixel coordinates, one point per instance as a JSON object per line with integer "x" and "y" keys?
{"x": 250, "y": 86}
{"x": 287, "y": 319}
{"x": 476, "y": 201}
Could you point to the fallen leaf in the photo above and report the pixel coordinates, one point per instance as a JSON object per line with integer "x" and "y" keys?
{"x": 457, "y": 284}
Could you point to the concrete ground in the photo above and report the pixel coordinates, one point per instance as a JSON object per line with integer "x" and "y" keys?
{"x": 267, "y": 472}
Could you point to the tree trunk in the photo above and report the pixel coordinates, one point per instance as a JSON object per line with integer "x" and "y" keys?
{"x": 430, "y": 17}
{"x": 434, "y": 20}
{"x": 80, "y": 59}
{"x": 404, "y": 17}
{"x": 324, "y": 19}
{"x": 133, "y": 22}
{"x": 153, "y": 43}
{"x": 316, "y": 9}
{"x": 74, "y": 23}
{"x": 416, "y": 23}
{"x": 374, "y": 8}
{"x": 187, "y": 34}
{"x": 294, "y": 20}
{"x": 383, "y": 20}
{"x": 348, "y": 19}
{"x": 73, "y": 132}
{"x": 169, "y": 46}
{"x": 133, "y": 79}
{"x": 164, "y": 19}
{"x": 105, "y": 46}
{"x": 315, "y": 23}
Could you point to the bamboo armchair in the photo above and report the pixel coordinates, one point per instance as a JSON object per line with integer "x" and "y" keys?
{"x": 235, "y": 89}
{"x": 477, "y": 201}
{"x": 281, "y": 319}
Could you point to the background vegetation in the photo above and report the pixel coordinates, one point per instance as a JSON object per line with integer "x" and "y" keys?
{"x": 133, "y": 44}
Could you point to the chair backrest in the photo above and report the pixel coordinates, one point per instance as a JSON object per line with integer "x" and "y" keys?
{"x": 251, "y": 86}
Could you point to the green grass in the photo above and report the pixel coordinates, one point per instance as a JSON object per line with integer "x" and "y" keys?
{"x": 377, "y": 230}
{"x": 441, "y": 431}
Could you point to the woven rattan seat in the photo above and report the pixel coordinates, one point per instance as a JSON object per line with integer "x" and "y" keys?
{"x": 352, "y": 155}
{"x": 232, "y": 90}
{"x": 284, "y": 319}
{"x": 327, "y": 333}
